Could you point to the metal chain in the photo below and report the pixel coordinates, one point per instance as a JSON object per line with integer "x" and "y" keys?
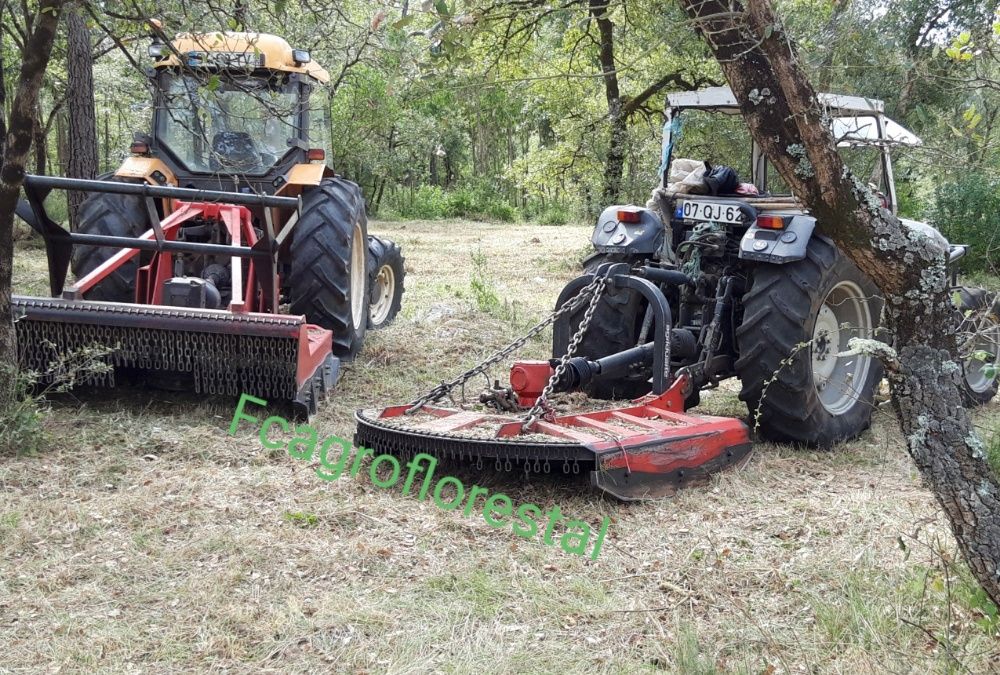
{"x": 444, "y": 389}
{"x": 541, "y": 404}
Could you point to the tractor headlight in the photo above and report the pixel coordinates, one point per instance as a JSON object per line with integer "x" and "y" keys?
{"x": 156, "y": 49}
{"x": 301, "y": 56}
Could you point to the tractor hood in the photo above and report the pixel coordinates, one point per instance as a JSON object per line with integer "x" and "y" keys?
{"x": 248, "y": 51}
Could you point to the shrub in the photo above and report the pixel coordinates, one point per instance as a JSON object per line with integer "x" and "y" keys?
{"x": 554, "y": 215}
{"x": 23, "y": 402}
{"x": 432, "y": 202}
{"x": 965, "y": 210}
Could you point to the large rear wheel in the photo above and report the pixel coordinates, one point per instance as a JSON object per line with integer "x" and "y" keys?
{"x": 112, "y": 215}
{"x": 615, "y": 327}
{"x": 798, "y": 320}
{"x": 328, "y": 280}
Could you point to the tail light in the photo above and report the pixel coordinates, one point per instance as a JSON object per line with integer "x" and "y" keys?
{"x": 771, "y": 222}
{"x": 316, "y": 154}
{"x": 629, "y": 216}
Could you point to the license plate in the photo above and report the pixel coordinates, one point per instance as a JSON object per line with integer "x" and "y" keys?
{"x": 710, "y": 212}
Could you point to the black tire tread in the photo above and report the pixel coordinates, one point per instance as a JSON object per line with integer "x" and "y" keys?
{"x": 320, "y": 276}
{"x": 114, "y": 215}
{"x": 779, "y": 309}
{"x": 612, "y": 330}
{"x": 381, "y": 252}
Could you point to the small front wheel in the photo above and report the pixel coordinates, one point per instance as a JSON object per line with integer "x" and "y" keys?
{"x": 979, "y": 344}
{"x": 386, "y": 272}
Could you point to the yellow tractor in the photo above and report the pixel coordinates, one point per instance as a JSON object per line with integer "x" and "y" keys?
{"x": 225, "y": 211}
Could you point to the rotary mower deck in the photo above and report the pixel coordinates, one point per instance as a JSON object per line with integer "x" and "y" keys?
{"x": 645, "y": 449}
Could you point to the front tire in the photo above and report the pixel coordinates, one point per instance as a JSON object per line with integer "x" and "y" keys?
{"x": 385, "y": 279}
{"x": 979, "y": 337}
{"x": 797, "y": 318}
{"x": 328, "y": 282}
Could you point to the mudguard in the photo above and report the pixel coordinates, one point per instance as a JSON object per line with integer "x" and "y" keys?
{"x": 778, "y": 246}
{"x": 615, "y": 236}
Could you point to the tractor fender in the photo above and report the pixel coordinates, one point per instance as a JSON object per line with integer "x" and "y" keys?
{"x": 303, "y": 175}
{"x": 149, "y": 169}
{"x": 614, "y": 234}
{"x": 778, "y": 246}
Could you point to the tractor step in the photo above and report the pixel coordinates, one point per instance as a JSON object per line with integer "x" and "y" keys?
{"x": 647, "y": 449}
{"x": 276, "y": 357}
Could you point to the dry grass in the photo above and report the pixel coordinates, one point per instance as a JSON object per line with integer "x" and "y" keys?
{"x": 145, "y": 537}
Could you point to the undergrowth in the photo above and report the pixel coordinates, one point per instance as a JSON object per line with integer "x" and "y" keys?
{"x": 430, "y": 202}
{"x": 484, "y": 291}
{"x": 23, "y": 397}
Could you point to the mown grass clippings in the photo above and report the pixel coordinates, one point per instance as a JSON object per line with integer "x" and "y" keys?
{"x": 186, "y": 564}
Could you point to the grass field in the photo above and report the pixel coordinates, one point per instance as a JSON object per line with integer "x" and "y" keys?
{"x": 143, "y": 537}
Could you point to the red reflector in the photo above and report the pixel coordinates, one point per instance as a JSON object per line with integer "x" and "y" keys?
{"x": 139, "y": 149}
{"x": 316, "y": 154}
{"x": 629, "y": 216}
{"x": 771, "y": 222}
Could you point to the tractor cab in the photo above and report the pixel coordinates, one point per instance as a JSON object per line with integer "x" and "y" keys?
{"x": 233, "y": 104}
{"x": 864, "y": 133}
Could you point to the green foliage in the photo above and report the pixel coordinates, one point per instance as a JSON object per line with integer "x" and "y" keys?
{"x": 23, "y": 399}
{"x": 965, "y": 210}
{"x": 301, "y": 519}
{"x": 429, "y": 202}
{"x": 483, "y": 288}
{"x": 554, "y": 215}
{"x": 21, "y": 417}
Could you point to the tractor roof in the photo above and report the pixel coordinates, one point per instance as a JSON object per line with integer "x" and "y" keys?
{"x": 853, "y": 122}
{"x": 723, "y": 100}
{"x": 273, "y": 52}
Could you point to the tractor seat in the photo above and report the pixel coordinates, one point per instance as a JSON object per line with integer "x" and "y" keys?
{"x": 235, "y": 152}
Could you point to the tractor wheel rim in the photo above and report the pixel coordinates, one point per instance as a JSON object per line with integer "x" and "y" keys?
{"x": 385, "y": 283}
{"x": 979, "y": 375}
{"x": 845, "y": 314}
{"x": 358, "y": 254}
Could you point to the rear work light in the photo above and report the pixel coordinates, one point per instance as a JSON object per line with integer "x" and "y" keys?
{"x": 771, "y": 222}
{"x": 316, "y": 154}
{"x": 139, "y": 148}
{"x": 629, "y": 216}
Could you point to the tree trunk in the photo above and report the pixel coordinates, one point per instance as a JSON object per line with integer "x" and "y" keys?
{"x": 614, "y": 164}
{"x": 38, "y": 49}
{"x": 81, "y": 111}
{"x": 3, "y": 99}
{"x": 781, "y": 111}
{"x": 38, "y": 138}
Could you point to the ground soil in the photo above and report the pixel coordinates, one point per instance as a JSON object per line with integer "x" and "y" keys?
{"x": 144, "y": 537}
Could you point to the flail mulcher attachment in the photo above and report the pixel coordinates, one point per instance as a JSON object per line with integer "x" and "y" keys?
{"x": 645, "y": 449}
{"x": 176, "y": 333}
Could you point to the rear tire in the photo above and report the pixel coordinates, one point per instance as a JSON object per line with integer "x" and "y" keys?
{"x": 980, "y": 322}
{"x": 615, "y": 327}
{"x": 385, "y": 279}
{"x": 328, "y": 281}
{"x": 805, "y": 313}
{"x": 112, "y": 215}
